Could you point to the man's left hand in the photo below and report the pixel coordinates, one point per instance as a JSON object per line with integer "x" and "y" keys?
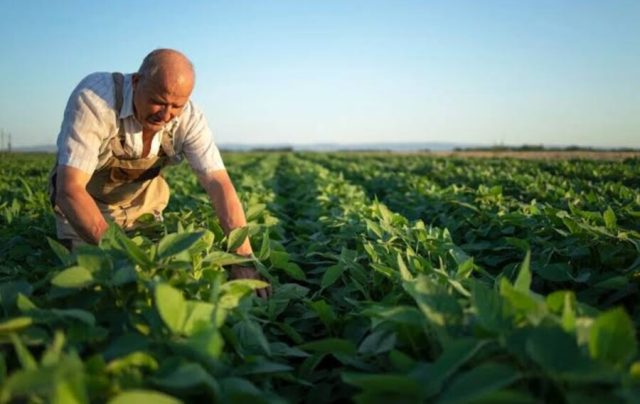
{"x": 241, "y": 272}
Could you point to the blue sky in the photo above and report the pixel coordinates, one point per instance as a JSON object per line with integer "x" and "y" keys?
{"x": 517, "y": 71}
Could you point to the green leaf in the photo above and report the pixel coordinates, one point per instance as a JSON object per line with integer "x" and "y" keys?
{"x": 324, "y": 311}
{"x": 284, "y": 350}
{"x": 401, "y": 315}
{"x": 294, "y": 271}
{"x": 135, "y": 253}
{"x": 125, "y": 274}
{"x": 74, "y": 277}
{"x": 77, "y": 314}
{"x": 439, "y": 307}
{"x": 331, "y": 274}
{"x": 60, "y": 251}
{"x": 204, "y": 244}
{"x": 224, "y": 258}
{"x": 404, "y": 272}
{"x": 492, "y": 311}
{"x": 378, "y": 342}
{"x": 265, "y": 247}
{"x": 53, "y": 353}
{"x": 133, "y": 360}
{"x": 171, "y": 306}
{"x": 187, "y": 376}
{"x": 15, "y": 324}
{"x": 207, "y": 340}
{"x": 610, "y": 220}
{"x": 251, "y": 338}
{"x": 143, "y": 396}
{"x": 523, "y": 304}
{"x": 24, "y": 303}
{"x": 124, "y": 345}
{"x": 523, "y": 281}
{"x": 384, "y": 384}
{"x": 507, "y": 397}
{"x": 3, "y": 370}
{"x": 237, "y": 390}
{"x": 197, "y": 315}
{"x": 250, "y": 284}
{"x": 254, "y": 211}
{"x": 24, "y": 356}
{"x": 237, "y": 237}
{"x": 175, "y": 243}
{"x": 279, "y": 259}
{"x": 374, "y": 228}
{"x": 465, "y": 269}
{"x": 288, "y": 291}
{"x": 556, "y": 272}
{"x": 262, "y": 367}
{"x": 63, "y": 382}
{"x": 556, "y": 351}
{"x": 478, "y": 382}
{"x": 70, "y": 391}
{"x": 330, "y": 346}
{"x": 234, "y": 291}
{"x": 10, "y": 291}
{"x": 455, "y": 355}
{"x": 92, "y": 258}
{"x": 401, "y": 361}
{"x": 612, "y": 338}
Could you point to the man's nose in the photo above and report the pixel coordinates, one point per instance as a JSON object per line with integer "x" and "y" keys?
{"x": 165, "y": 113}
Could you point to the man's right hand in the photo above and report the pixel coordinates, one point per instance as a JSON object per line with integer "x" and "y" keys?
{"x": 244, "y": 272}
{"x": 77, "y": 205}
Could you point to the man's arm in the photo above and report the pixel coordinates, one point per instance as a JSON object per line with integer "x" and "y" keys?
{"x": 226, "y": 203}
{"x": 223, "y": 196}
{"x": 77, "y": 205}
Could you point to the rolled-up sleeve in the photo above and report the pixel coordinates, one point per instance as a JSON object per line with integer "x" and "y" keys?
{"x": 85, "y": 125}
{"x": 198, "y": 145}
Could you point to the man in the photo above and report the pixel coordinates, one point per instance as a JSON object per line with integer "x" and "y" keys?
{"x": 118, "y": 132}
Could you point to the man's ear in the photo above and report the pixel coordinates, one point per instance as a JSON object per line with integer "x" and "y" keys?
{"x": 135, "y": 79}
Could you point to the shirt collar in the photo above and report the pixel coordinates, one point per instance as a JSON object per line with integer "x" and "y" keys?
{"x": 127, "y": 98}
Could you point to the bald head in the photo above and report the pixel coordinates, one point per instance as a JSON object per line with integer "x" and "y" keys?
{"x": 169, "y": 67}
{"x": 161, "y": 88}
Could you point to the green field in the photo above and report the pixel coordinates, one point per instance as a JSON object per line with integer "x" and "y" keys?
{"x": 396, "y": 278}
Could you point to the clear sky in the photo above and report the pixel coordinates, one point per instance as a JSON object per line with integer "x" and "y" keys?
{"x": 351, "y": 71}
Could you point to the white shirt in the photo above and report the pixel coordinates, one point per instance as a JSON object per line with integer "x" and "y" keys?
{"x": 90, "y": 121}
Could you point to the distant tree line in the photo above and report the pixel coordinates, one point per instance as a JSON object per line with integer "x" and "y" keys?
{"x": 540, "y": 147}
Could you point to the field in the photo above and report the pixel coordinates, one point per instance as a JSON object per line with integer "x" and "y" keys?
{"x": 396, "y": 278}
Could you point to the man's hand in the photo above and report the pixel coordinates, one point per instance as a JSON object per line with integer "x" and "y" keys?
{"x": 241, "y": 272}
{"x": 77, "y": 205}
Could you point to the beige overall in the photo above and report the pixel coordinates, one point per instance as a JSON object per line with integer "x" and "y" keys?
{"x": 124, "y": 188}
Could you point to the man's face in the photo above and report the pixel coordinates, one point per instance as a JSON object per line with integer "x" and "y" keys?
{"x": 157, "y": 101}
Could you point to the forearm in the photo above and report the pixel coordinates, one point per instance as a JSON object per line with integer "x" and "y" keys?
{"x": 77, "y": 205}
{"x": 82, "y": 213}
{"x": 228, "y": 208}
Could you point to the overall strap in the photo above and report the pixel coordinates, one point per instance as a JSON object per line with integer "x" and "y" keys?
{"x": 118, "y": 141}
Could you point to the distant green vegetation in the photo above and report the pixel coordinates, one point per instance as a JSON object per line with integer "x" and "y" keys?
{"x": 541, "y": 147}
{"x": 396, "y": 279}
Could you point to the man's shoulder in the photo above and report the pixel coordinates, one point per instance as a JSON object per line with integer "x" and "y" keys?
{"x": 99, "y": 82}
{"x": 95, "y": 90}
{"x": 191, "y": 120}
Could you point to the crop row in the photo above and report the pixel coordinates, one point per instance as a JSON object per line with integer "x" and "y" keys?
{"x": 593, "y": 252}
{"x": 386, "y": 288}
